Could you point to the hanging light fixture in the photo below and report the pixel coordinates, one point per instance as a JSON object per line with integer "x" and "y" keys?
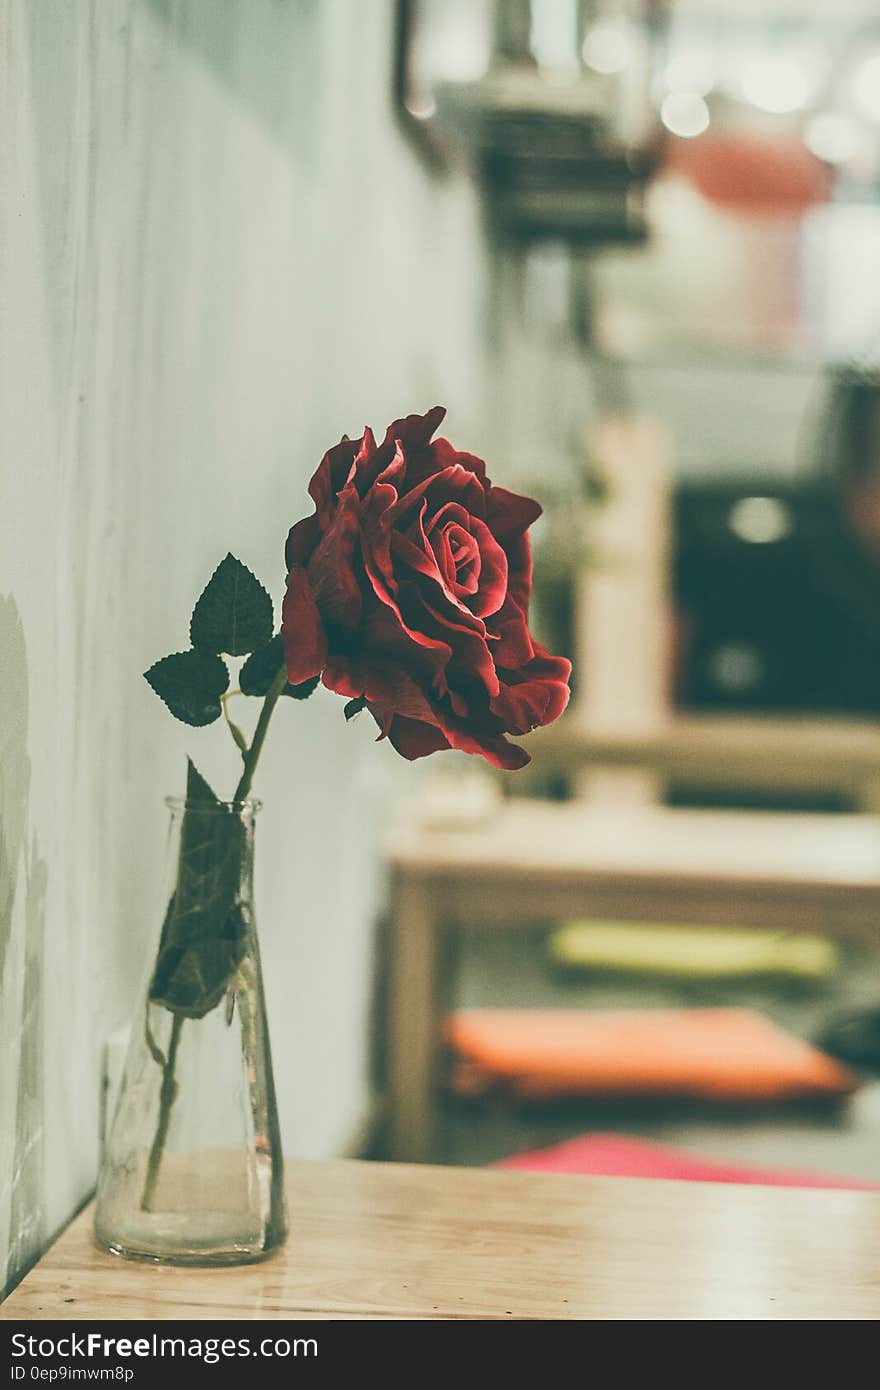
{"x": 560, "y": 127}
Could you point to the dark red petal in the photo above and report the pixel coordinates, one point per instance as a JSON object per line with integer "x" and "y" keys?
{"x": 519, "y": 571}
{"x": 414, "y": 431}
{"x": 331, "y": 475}
{"x": 389, "y": 691}
{"x": 447, "y": 604}
{"x": 415, "y": 552}
{"x": 445, "y": 560}
{"x": 509, "y": 514}
{"x": 446, "y": 454}
{"x": 493, "y": 747}
{"x": 335, "y": 589}
{"x": 449, "y": 511}
{"x": 413, "y": 738}
{"x": 344, "y": 677}
{"x": 385, "y": 463}
{"x": 301, "y": 541}
{"x": 376, "y": 522}
{"x": 492, "y": 589}
{"x": 390, "y": 624}
{"x": 534, "y": 696}
{"x": 385, "y": 638}
{"x": 418, "y": 738}
{"x": 454, "y": 484}
{"x": 470, "y": 652}
{"x": 305, "y": 642}
{"x": 514, "y": 646}
{"x": 442, "y": 607}
{"x": 459, "y": 556}
{"x": 367, "y": 450}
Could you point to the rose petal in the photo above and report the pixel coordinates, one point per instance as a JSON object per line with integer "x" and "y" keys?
{"x": 305, "y": 642}
{"x": 384, "y": 638}
{"x": 449, "y": 511}
{"x": 458, "y": 555}
{"x": 508, "y": 513}
{"x": 493, "y": 747}
{"x": 514, "y": 646}
{"x": 534, "y": 696}
{"x": 414, "y": 431}
{"x": 493, "y": 576}
{"x": 418, "y": 738}
{"x": 331, "y": 476}
{"x": 470, "y": 652}
{"x": 519, "y": 571}
{"x": 366, "y": 454}
{"x": 397, "y": 628}
{"x": 377, "y": 461}
{"x": 413, "y": 738}
{"x": 301, "y": 541}
{"x": 392, "y": 687}
{"x": 331, "y": 574}
{"x": 376, "y": 522}
{"x": 451, "y": 484}
{"x": 344, "y": 677}
{"x": 446, "y": 454}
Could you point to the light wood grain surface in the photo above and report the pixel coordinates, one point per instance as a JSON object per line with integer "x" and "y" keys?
{"x": 372, "y": 1240}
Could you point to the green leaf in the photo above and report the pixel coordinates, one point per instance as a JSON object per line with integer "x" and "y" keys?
{"x": 233, "y": 613}
{"x": 190, "y": 683}
{"x": 303, "y": 690}
{"x": 198, "y": 790}
{"x": 259, "y": 671}
{"x": 205, "y": 928}
{"x": 192, "y": 976}
{"x": 354, "y": 707}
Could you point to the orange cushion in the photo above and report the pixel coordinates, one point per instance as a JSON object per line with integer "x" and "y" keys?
{"x": 717, "y": 1054}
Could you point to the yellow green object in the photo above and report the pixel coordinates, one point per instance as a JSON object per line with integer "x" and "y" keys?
{"x": 688, "y": 952}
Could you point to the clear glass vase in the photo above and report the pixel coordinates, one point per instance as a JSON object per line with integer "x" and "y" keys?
{"x": 193, "y": 1170}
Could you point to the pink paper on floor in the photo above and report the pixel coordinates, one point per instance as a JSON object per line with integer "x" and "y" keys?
{"x": 619, "y": 1156}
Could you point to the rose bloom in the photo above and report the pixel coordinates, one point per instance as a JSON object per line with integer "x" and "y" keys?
{"x": 408, "y": 592}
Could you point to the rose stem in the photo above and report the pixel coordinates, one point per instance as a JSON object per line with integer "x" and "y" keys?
{"x": 251, "y": 757}
{"x": 168, "y": 1090}
{"x": 166, "y": 1100}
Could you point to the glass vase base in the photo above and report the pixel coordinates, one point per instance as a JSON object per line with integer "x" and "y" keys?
{"x": 166, "y": 1238}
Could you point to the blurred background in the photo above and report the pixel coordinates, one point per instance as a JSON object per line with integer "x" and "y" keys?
{"x": 633, "y": 247}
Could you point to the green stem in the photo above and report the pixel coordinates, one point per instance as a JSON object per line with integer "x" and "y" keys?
{"x": 167, "y": 1097}
{"x": 237, "y": 736}
{"x": 252, "y": 756}
{"x": 168, "y": 1092}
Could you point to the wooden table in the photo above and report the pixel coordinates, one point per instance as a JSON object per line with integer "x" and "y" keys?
{"x": 375, "y": 1240}
{"x": 536, "y": 861}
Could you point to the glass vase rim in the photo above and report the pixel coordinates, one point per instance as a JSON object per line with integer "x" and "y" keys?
{"x": 250, "y": 806}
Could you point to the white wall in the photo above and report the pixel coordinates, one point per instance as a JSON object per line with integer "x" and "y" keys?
{"x": 216, "y": 255}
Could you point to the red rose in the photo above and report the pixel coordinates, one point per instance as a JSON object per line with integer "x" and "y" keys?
{"x": 409, "y": 589}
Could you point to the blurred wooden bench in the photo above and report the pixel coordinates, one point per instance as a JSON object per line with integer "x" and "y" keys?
{"x": 821, "y": 758}
{"x": 532, "y": 861}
